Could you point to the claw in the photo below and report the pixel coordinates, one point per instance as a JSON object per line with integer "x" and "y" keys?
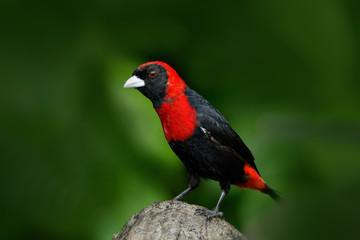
{"x": 208, "y": 213}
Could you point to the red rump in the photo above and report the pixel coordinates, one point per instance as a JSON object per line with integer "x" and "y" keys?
{"x": 177, "y": 116}
{"x": 254, "y": 182}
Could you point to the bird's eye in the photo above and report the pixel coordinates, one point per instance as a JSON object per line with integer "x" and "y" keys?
{"x": 152, "y": 74}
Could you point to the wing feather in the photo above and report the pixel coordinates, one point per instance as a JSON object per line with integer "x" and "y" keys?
{"x": 217, "y": 129}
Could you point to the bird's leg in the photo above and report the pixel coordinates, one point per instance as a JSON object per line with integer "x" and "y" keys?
{"x": 216, "y": 209}
{"x": 193, "y": 183}
{"x": 225, "y": 188}
{"x": 181, "y": 195}
{"x": 212, "y": 213}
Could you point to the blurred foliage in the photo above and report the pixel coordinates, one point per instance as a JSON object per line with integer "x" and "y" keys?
{"x": 80, "y": 154}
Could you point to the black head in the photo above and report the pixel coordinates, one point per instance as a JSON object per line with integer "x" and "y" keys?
{"x": 151, "y": 79}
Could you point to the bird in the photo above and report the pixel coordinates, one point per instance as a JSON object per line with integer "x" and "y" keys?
{"x": 198, "y": 134}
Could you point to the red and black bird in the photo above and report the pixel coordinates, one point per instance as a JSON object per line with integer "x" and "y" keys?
{"x": 198, "y": 133}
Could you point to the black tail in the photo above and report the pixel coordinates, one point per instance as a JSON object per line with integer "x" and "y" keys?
{"x": 273, "y": 194}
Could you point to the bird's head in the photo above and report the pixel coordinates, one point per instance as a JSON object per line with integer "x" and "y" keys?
{"x": 157, "y": 81}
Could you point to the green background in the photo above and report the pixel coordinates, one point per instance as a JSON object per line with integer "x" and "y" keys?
{"x": 80, "y": 154}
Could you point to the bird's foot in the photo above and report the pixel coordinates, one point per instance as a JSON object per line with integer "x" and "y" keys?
{"x": 208, "y": 213}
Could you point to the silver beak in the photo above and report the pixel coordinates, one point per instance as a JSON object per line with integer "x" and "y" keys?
{"x": 134, "y": 82}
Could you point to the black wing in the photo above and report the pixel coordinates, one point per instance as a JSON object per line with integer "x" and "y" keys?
{"x": 214, "y": 125}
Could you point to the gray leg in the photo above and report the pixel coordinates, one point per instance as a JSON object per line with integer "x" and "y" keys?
{"x": 212, "y": 213}
{"x": 181, "y": 195}
{"x": 223, "y": 194}
{"x": 193, "y": 181}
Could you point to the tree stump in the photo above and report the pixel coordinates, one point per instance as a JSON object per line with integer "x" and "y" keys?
{"x": 175, "y": 220}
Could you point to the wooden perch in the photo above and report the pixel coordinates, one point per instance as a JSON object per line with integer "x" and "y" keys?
{"x": 175, "y": 220}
